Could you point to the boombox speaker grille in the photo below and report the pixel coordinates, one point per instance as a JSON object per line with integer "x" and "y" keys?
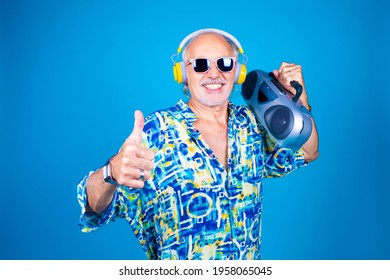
{"x": 280, "y": 121}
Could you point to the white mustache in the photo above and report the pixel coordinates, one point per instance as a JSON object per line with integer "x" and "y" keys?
{"x": 211, "y": 81}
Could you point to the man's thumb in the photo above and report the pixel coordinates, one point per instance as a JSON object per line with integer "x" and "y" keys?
{"x": 136, "y": 134}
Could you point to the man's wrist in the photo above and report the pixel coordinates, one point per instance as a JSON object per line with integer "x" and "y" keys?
{"x": 107, "y": 177}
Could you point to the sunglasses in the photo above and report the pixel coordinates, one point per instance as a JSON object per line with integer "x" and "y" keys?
{"x": 203, "y": 65}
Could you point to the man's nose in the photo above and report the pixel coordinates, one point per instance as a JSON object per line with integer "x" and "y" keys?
{"x": 214, "y": 71}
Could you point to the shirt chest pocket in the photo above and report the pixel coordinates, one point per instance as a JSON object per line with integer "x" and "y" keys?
{"x": 166, "y": 217}
{"x": 251, "y": 161}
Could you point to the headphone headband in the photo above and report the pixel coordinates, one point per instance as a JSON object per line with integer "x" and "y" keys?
{"x": 189, "y": 37}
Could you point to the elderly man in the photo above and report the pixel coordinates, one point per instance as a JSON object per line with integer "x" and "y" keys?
{"x": 188, "y": 179}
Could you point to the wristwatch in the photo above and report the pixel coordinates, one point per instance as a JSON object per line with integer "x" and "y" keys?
{"x": 107, "y": 175}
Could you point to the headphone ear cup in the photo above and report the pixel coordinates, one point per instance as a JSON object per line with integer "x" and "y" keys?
{"x": 240, "y": 73}
{"x": 179, "y": 72}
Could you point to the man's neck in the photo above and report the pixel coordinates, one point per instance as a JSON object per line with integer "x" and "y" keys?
{"x": 216, "y": 114}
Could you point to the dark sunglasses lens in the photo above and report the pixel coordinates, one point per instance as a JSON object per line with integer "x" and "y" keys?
{"x": 225, "y": 64}
{"x": 201, "y": 65}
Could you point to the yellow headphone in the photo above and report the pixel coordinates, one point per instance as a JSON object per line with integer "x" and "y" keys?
{"x": 179, "y": 68}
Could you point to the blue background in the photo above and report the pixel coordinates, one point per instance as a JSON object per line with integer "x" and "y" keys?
{"x": 73, "y": 72}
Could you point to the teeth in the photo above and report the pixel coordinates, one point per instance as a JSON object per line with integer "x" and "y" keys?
{"x": 213, "y": 86}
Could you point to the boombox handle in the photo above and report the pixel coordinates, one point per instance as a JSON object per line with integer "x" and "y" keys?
{"x": 297, "y": 86}
{"x": 298, "y": 90}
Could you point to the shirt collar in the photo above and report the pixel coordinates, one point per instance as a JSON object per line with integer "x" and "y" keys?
{"x": 183, "y": 112}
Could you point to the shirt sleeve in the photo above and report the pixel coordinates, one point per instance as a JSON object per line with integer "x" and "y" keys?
{"x": 90, "y": 221}
{"x": 280, "y": 161}
{"x": 135, "y": 205}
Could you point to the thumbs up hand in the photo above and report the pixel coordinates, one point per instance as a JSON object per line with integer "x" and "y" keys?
{"x": 133, "y": 163}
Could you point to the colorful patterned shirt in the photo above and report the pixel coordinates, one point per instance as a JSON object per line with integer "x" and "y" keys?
{"x": 192, "y": 207}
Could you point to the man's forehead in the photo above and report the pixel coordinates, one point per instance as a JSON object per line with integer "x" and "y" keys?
{"x": 208, "y": 38}
{"x": 209, "y": 41}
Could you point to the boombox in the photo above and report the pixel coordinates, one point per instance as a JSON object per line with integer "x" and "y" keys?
{"x": 287, "y": 121}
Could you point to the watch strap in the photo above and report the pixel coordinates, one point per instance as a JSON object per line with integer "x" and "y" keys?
{"x": 107, "y": 175}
